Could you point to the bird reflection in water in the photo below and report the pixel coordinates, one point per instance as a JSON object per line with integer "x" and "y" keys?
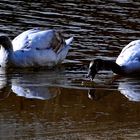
{"x": 96, "y": 95}
{"x": 4, "y": 89}
{"x": 128, "y": 87}
{"x": 24, "y": 86}
{"x": 4, "y": 92}
{"x": 35, "y": 92}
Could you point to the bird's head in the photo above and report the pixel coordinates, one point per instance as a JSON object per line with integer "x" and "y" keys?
{"x": 5, "y": 42}
{"x": 94, "y": 67}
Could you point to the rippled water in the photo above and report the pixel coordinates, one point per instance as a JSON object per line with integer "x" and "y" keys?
{"x": 62, "y": 103}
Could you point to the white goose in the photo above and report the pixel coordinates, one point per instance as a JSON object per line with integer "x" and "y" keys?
{"x": 128, "y": 62}
{"x": 34, "y": 48}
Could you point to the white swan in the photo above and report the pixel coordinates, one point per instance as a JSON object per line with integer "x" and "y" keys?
{"x": 128, "y": 62}
{"x": 34, "y": 48}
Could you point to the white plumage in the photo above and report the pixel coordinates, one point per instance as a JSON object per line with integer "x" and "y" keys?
{"x": 127, "y": 63}
{"x": 34, "y": 48}
{"x": 129, "y": 57}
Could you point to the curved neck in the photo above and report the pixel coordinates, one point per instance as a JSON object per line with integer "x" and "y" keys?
{"x": 6, "y": 54}
{"x": 111, "y": 65}
{"x": 6, "y": 43}
{"x": 8, "y": 47}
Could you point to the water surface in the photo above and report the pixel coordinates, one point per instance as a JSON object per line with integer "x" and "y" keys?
{"x": 62, "y": 103}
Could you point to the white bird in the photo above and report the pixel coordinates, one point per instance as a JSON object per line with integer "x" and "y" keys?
{"x": 34, "y": 48}
{"x": 128, "y": 62}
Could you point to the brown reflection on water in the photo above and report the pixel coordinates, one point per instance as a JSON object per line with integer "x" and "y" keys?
{"x": 70, "y": 115}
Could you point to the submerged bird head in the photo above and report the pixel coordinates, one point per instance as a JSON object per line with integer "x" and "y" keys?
{"x": 99, "y": 64}
{"x": 5, "y": 42}
{"x": 94, "y": 67}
